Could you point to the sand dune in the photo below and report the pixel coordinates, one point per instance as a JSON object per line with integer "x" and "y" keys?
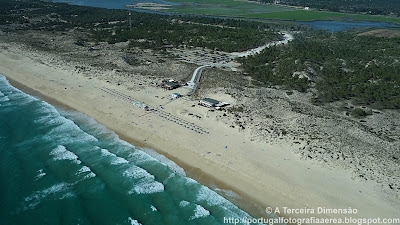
{"x": 269, "y": 174}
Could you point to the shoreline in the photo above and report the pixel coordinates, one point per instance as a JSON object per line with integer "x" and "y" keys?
{"x": 244, "y": 201}
{"x": 275, "y": 177}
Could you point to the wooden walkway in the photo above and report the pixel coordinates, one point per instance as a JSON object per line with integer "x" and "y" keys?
{"x": 167, "y": 116}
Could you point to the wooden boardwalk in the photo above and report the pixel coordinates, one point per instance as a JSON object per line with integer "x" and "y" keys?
{"x": 167, "y": 116}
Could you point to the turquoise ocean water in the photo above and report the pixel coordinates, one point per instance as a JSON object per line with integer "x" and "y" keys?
{"x": 61, "y": 167}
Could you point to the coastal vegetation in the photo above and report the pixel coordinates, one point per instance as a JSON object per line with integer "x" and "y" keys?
{"x": 347, "y": 77}
{"x": 152, "y": 31}
{"x": 320, "y": 10}
{"x": 360, "y": 113}
{"x": 46, "y": 15}
{"x": 337, "y": 66}
{"x": 157, "y": 33}
{"x": 373, "y": 7}
{"x": 223, "y": 7}
{"x": 313, "y": 15}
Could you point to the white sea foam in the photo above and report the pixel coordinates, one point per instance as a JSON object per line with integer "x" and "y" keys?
{"x": 75, "y": 136}
{"x": 87, "y": 170}
{"x": 133, "y": 222}
{"x": 57, "y": 191}
{"x": 126, "y": 144}
{"x": 20, "y": 98}
{"x": 6, "y": 93}
{"x": 190, "y": 181}
{"x": 115, "y": 160}
{"x": 145, "y": 183}
{"x": 47, "y": 110}
{"x": 199, "y": 212}
{"x": 98, "y": 129}
{"x": 4, "y": 99}
{"x": 40, "y": 175}
{"x": 84, "y": 119}
{"x": 183, "y": 203}
{"x": 65, "y": 126}
{"x": 105, "y": 152}
{"x": 139, "y": 156}
{"x": 228, "y": 193}
{"x": 89, "y": 175}
{"x": 83, "y": 170}
{"x": 67, "y": 195}
{"x": 48, "y": 115}
{"x": 211, "y": 198}
{"x": 53, "y": 189}
{"x": 3, "y": 79}
{"x": 43, "y": 119}
{"x": 61, "y": 153}
{"x": 136, "y": 172}
{"x": 58, "y": 120}
{"x": 147, "y": 188}
{"x": 65, "y": 131}
{"x": 118, "y": 161}
{"x": 82, "y": 137}
{"x": 168, "y": 178}
{"x": 169, "y": 163}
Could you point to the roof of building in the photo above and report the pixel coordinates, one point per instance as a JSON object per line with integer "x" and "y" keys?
{"x": 210, "y": 100}
{"x": 172, "y": 84}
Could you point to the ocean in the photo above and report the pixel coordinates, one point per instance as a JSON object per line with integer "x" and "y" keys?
{"x": 62, "y": 167}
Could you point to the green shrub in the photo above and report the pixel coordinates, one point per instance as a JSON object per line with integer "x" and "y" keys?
{"x": 360, "y": 113}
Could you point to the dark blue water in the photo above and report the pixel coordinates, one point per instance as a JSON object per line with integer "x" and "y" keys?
{"x": 61, "y": 167}
{"x": 333, "y": 26}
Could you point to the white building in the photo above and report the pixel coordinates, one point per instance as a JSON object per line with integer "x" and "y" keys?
{"x": 176, "y": 95}
{"x": 208, "y": 102}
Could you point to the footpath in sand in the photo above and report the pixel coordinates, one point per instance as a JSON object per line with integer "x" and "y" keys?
{"x": 269, "y": 174}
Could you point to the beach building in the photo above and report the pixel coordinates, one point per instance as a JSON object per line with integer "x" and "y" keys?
{"x": 212, "y": 103}
{"x": 176, "y": 95}
{"x": 140, "y": 105}
{"x": 208, "y": 102}
{"x": 170, "y": 85}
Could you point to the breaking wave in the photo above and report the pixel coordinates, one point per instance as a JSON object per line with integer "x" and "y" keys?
{"x": 64, "y": 164}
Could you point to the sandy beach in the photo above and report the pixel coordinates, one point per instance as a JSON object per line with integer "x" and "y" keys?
{"x": 269, "y": 174}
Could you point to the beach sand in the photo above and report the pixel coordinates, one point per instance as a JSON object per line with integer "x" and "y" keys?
{"x": 270, "y": 175}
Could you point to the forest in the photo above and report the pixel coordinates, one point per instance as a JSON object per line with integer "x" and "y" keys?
{"x": 336, "y": 66}
{"x": 373, "y": 7}
{"x": 148, "y": 30}
{"x": 161, "y": 34}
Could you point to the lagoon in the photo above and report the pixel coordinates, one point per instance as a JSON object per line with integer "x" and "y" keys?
{"x": 334, "y": 26}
